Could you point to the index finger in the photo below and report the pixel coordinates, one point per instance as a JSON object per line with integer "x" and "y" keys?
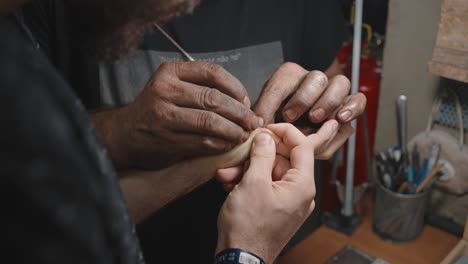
{"x": 280, "y": 86}
{"x": 309, "y": 91}
{"x": 353, "y": 106}
{"x": 302, "y": 156}
{"x": 213, "y": 76}
{"x": 289, "y": 134}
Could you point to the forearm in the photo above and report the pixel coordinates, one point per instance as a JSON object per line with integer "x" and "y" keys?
{"x": 148, "y": 191}
{"x": 111, "y": 130}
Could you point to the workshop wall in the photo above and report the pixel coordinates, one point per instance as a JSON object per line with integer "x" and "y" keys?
{"x": 411, "y": 33}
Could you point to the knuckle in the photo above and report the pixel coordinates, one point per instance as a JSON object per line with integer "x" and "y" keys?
{"x": 289, "y": 128}
{"x": 331, "y": 103}
{"x": 291, "y": 67}
{"x": 245, "y": 119}
{"x": 167, "y": 66}
{"x": 209, "y": 98}
{"x": 272, "y": 90}
{"x": 161, "y": 90}
{"x": 301, "y": 102}
{"x": 205, "y": 121}
{"x": 215, "y": 68}
{"x": 247, "y": 116}
{"x": 289, "y": 131}
{"x": 343, "y": 81}
{"x": 319, "y": 78}
{"x": 214, "y": 71}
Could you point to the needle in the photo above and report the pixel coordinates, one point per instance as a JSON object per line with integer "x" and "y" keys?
{"x": 190, "y": 58}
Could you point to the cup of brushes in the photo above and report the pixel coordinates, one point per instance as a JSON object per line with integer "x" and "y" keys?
{"x": 403, "y": 183}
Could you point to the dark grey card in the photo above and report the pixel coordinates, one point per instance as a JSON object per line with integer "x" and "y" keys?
{"x": 122, "y": 81}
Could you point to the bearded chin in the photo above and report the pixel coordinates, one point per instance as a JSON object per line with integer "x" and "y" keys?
{"x": 111, "y": 29}
{"x": 118, "y": 42}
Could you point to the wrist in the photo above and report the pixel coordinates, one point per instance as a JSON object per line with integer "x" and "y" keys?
{"x": 111, "y": 127}
{"x": 237, "y": 256}
{"x": 255, "y": 247}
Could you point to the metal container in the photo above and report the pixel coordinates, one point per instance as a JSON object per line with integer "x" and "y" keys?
{"x": 399, "y": 217}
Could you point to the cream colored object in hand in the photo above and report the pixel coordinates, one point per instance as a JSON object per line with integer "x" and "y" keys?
{"x": 206, "y": 167}
{"x": 148, "y": 191}
{"x": 237, "y": 155}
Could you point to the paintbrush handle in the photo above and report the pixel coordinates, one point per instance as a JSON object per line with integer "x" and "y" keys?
{"x": 403, "y": 187}
{"x": 429, "y": 178}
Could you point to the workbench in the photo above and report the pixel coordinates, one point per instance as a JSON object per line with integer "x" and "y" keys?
{"x": 431, "y": 247}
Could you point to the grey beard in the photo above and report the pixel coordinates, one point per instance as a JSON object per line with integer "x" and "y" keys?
{"x": 111, "y": 33}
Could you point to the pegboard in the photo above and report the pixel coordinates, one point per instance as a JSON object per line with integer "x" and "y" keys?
{"x": 447, "y": 116}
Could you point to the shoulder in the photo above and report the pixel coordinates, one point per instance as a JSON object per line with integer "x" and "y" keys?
{"x": 40, "y": 18}
{"x": 32, "y": 91}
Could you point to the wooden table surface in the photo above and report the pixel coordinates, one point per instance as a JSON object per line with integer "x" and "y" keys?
{"x": 431, "y": 247}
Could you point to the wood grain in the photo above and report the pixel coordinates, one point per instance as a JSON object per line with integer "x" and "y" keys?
{"x": 450, "y": 56}
{"x": 431, "y": 247}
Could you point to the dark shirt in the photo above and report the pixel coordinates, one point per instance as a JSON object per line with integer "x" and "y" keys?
{"x": 61, "y": 201}
{"x": 309, "y": 33}
{"x": 250, "y": 38}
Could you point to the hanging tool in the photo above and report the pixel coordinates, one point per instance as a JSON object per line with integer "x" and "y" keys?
{"x": 402, "y": 124}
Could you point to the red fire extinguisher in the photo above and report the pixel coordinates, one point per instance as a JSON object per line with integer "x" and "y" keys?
{"x": 369, "y": 85}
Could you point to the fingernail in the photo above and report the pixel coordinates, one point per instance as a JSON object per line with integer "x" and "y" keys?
{"x": 318, "y": 114}
{"x": 263, "y": 139}
{"x": 247, "y": 101}
{"x": 290, "y": 114}
{"x": 345, "y": 115}
{"x": 260, "y": 122}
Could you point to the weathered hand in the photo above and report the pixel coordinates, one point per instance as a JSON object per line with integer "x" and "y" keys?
{"x": 306, "y": 99}
{"x": 187, "y": 109}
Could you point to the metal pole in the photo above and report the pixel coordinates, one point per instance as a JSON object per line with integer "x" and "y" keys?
{"x": 348, "y": 207}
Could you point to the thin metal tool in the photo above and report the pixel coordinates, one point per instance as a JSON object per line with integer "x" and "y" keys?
{"x": 402, "y": 118}
{"x": 185, "y": 53}
{"x": 348, "y": 206}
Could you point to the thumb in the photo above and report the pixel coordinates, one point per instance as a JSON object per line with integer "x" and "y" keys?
{"x": 262, "y": 159}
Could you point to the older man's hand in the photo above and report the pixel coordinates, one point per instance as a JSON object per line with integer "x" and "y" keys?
{"x": 186, "y": 109}
{"x": 306, "y": 99}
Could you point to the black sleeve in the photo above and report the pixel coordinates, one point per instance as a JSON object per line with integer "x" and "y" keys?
{"x": 324, "y": 32}
{"x": 60, "y": 197}
{"x": 38, "y": 16}
{"x": 48, "y": 24}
